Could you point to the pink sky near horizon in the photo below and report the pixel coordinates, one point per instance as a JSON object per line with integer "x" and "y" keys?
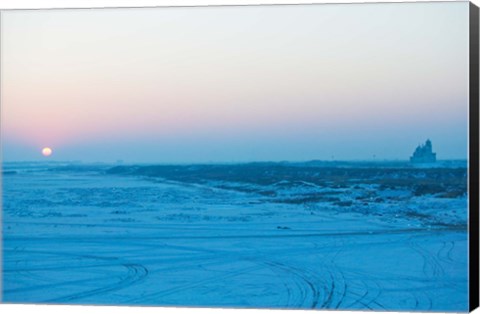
{"x": 203, "y": 74}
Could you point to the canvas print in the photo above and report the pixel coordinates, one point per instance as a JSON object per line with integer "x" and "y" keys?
{"x": 279, "y": 156}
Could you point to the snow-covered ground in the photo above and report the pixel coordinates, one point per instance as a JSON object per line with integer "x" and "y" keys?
{"x": 90, "y": 235}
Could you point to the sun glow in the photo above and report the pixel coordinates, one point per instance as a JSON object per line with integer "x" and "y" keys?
{"x": 47, "y": 151}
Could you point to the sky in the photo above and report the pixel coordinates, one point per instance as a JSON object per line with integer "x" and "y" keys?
{"x": 235, "y": 84}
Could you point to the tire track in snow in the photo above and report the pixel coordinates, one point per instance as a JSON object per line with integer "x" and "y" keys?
{"x": 156, "y": 295}
{"x": 307, "y": 292}
{"x": 431, "y": 269}
{"x": 135, "y": 274}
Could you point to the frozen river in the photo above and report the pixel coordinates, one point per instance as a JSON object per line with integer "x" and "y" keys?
{"x": 155, "y": 236}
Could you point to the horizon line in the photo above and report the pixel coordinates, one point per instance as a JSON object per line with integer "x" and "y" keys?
{"x": 123, "y": 162}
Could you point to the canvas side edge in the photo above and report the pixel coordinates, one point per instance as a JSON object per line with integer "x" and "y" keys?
{"x": 473, "y": 174}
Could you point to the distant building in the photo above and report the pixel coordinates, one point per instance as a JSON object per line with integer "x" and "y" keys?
{"x": 424, "y": 154}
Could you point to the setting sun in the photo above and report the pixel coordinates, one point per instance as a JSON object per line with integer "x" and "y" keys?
{"x": 47, "y": 151}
